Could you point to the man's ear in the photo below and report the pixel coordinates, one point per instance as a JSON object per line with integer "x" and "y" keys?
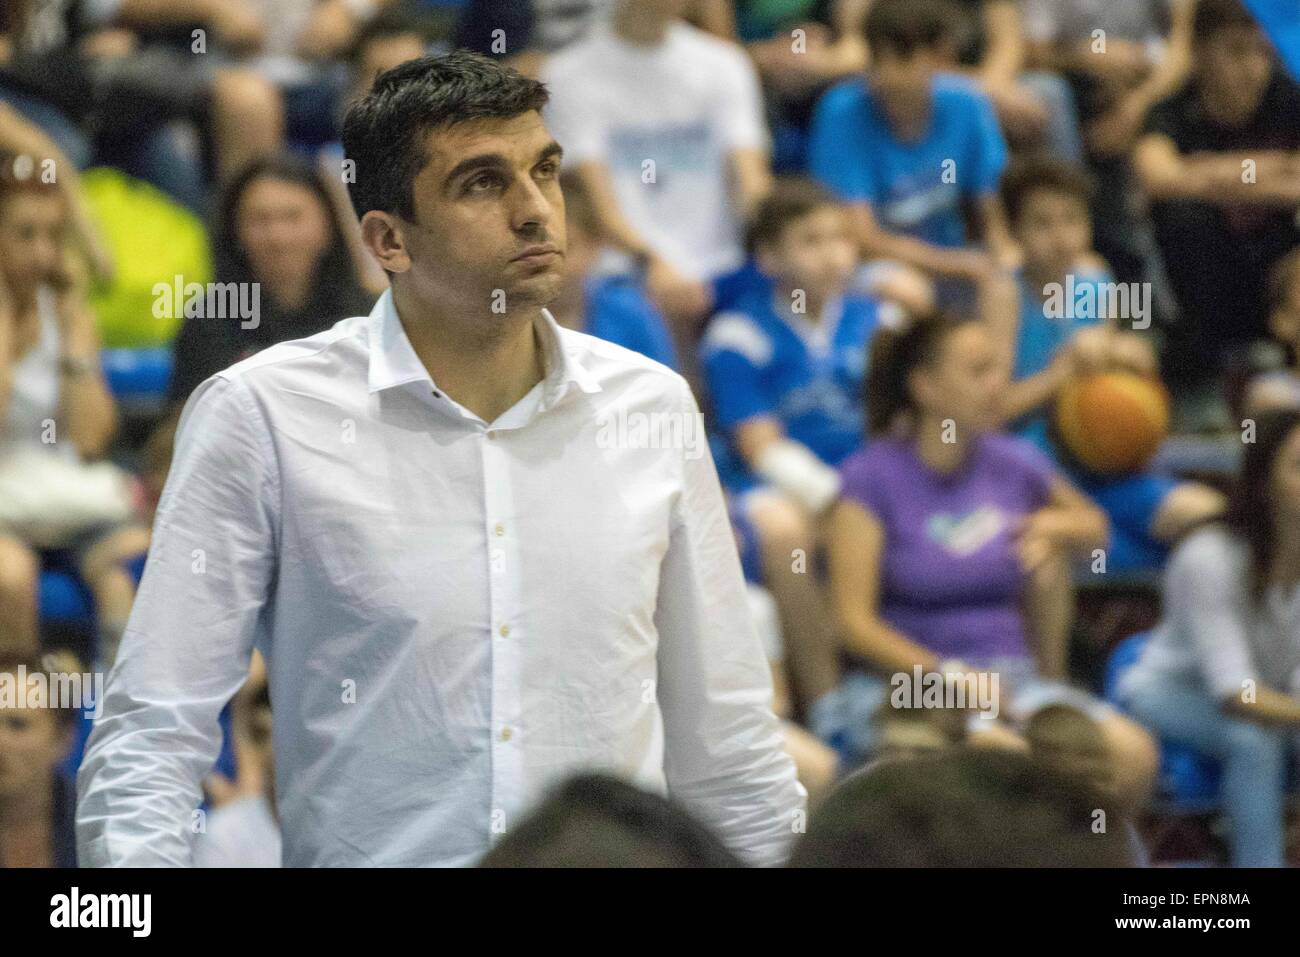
{"x": 382, "y": 235}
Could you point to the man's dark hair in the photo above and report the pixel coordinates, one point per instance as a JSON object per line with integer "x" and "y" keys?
{"x": 384, "y": 132}
{"x": 1043, "y": 174}
{"x": 1214, "y": 16}
{"x": 968, "y": 807}
{"x": 906, "y": 26}
{"x": 595, "y": 820}
{"x": 791, "y": 199}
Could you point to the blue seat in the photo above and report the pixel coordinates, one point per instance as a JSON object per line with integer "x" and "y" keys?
{"x": 138, "y": 378}
{"x": 1189, "y": 780}
{"x": 64, "y": 597}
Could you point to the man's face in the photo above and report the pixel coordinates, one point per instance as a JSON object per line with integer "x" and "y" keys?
{"x": 489, "y": 230}
{"x": 1236, "y": 63}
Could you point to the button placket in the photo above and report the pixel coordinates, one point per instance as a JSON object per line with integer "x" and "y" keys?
{"x": 503, "y": 625}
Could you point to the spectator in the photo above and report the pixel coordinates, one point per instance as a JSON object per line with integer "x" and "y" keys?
{"x": 1036, "y": 108}
{"x": 1279, "y": 386}
{"x": 243, "y": 829}
{"x": 785, "y": 373}
{"x": 56, "y": 416}
{"x": 611, "y": 307}
{"x": 128, "y": 68}
{"x": 948, "y": 551}
{"x": 37, "y": 803}
{"x": 393, "y": 36}
{"x": 595, "y": 820}
{"x": 663, "y": 124}
{"x": 1048, "y": 206}
{"x": 1120, "y": 57}
{"x": 1221, "y": 673}
{"x": 1220, "y": 161}
{"x": 279, "y": 231}
{"x": 507, "y": 28}
{"x": 908, "y": 149}
{"x": 965, "y": 808}
{"x": 801, "y": 47}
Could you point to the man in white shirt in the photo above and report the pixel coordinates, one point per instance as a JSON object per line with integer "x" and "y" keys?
{"x": 478, "y": 551}
{"x": 664, "y": 125}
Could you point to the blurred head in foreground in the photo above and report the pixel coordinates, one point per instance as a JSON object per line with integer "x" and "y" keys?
{"x": 595, "y": 820}
{"x": 972, "y": 807}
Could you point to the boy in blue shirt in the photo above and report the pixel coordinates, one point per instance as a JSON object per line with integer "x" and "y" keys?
{"x": 1047, "y": 346}
{"x": 911, "y": 150}
{"x": 785, "y": 370}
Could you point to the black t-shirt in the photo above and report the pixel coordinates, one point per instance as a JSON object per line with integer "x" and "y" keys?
{"x": 1275, "y": 124}
{"x": 205, "y": 346}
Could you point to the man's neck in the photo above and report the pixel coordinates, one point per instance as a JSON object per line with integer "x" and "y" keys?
{"x": 570, "y": 306}
{"x": 487, "y": 374}
{"x": 635, "y": 25}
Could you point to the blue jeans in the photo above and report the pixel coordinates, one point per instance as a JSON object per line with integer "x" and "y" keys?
{"x": 1253, "y": 757}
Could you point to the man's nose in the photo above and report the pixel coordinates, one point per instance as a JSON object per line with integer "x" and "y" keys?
{"x": 532, "y": 207}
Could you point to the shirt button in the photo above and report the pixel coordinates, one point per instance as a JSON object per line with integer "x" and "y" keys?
{"x": 492, "y": 434}
{"x": 505, "y": 631}
{"x": 500, "y": 529}
{"x": 506, "y": 734}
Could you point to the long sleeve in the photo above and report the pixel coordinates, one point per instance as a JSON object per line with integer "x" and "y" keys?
{"x": 187, "y": 646}
{"x": 1204, "y": 587}
{"x": 724, "y": 751}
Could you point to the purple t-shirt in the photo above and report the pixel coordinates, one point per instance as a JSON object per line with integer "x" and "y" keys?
{"x": 950, "y": 575}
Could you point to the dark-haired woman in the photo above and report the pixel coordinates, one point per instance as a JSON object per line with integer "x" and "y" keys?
{"x": 1222, "y": 670}
{"x": 278, "y": 228}
{"x": 949, "y": 550}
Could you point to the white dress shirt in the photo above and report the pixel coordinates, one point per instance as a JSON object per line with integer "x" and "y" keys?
{"x": 455, "y": 614}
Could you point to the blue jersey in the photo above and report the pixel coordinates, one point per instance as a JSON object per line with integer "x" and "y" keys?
{"x": 1048, "y": 321}
{"x": 808, "y": 376}
{"x": 916, "y": 187}
{"x": 619, "y": 311}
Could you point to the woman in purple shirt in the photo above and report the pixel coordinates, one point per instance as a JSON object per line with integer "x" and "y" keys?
{"x": 949, "y": 551}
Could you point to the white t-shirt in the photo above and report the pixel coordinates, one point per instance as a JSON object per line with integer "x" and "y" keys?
{"x": 664, "y": 120}
{"x": 34, "y": 394}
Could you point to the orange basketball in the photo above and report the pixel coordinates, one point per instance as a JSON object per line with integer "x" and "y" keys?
{"x": 1112, "y": 422}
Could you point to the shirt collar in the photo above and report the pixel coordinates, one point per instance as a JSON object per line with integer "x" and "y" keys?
{"x": 393, "y": 361}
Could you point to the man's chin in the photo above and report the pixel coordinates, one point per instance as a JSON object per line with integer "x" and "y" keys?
{"x": 535, "y": 291}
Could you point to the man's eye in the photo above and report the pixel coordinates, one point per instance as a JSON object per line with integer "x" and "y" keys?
{"x": 480, "y": 184}
{"x": 549, "y": 168}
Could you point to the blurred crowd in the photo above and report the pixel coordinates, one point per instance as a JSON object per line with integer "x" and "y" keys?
{"x": 885, "y": 240}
